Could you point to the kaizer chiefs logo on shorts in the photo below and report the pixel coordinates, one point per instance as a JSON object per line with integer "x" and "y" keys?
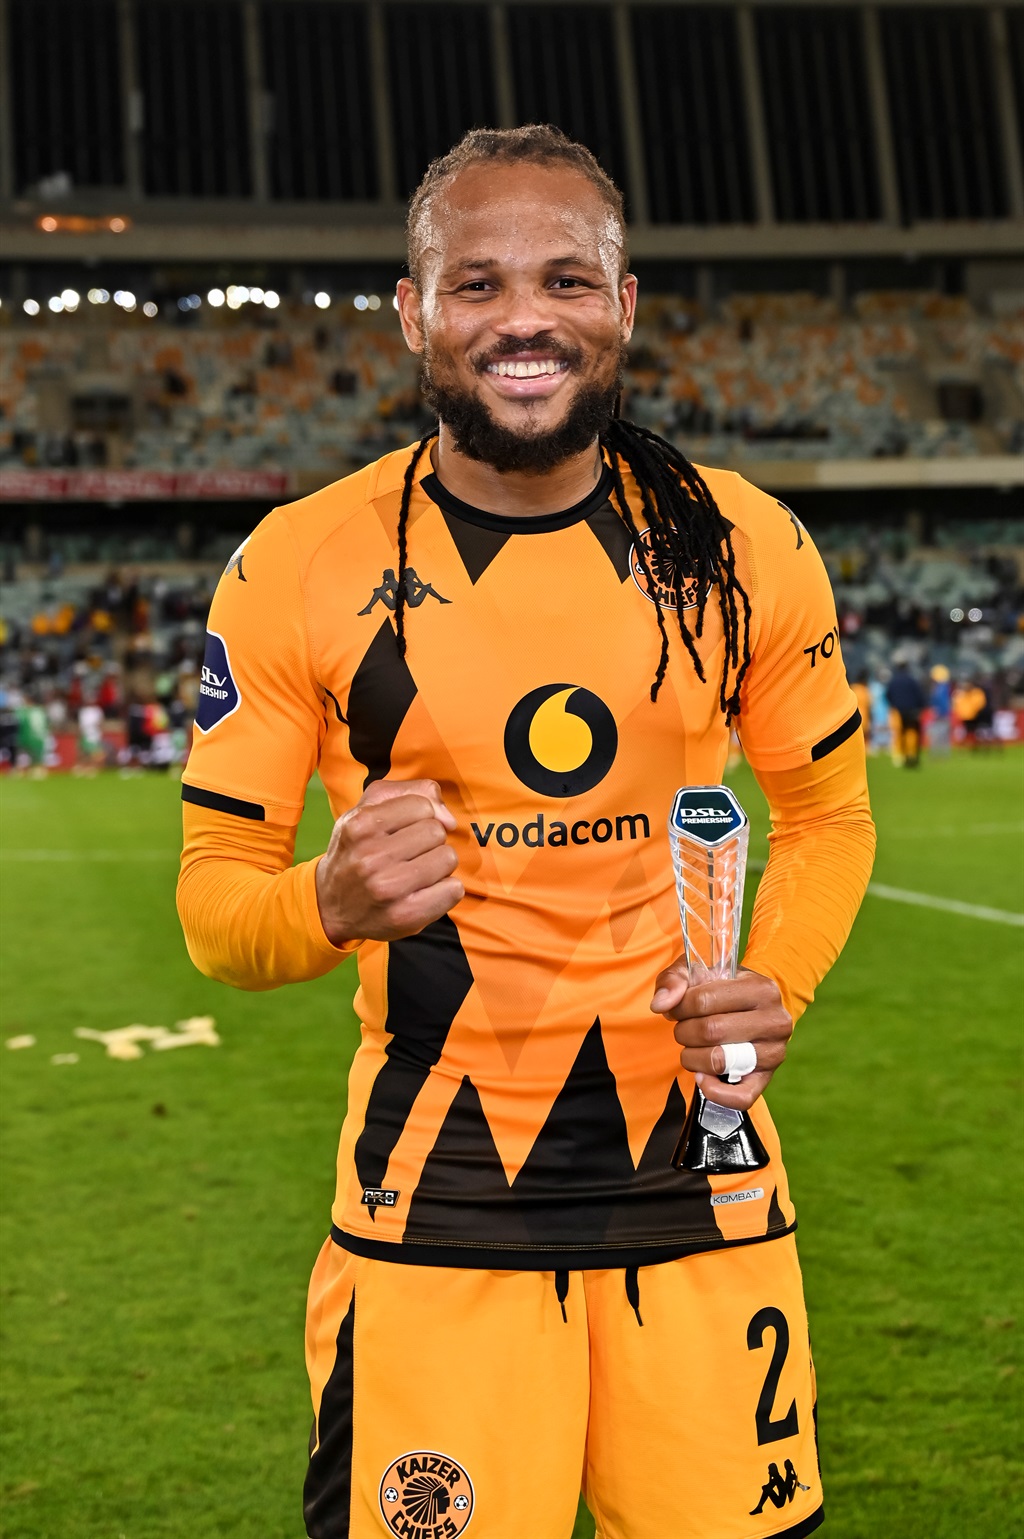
{"x": 561, "y": 740}
{"x": 663, "y": 571}
{"x": 426, "y": 1495}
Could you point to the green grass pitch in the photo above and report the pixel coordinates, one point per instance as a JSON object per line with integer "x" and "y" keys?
{"x": 160, "y": 1217}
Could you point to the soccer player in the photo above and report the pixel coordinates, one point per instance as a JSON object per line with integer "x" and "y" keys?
{"x": 504, "y": 649}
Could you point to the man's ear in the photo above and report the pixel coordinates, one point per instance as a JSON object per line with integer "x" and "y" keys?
{"x": 410, "y": 313}
{"x": 627, "y": 303}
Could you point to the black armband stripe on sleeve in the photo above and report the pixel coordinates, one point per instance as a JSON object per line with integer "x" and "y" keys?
{"x": 218, "y": 803}
{"x": 836, "y": 738}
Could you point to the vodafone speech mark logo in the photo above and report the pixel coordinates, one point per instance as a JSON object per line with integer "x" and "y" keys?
{"x": 426, "y": 1495}
{"x": 561, "y": 740}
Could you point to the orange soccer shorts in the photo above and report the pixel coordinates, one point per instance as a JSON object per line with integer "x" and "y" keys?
{"x": 447, "y": 1397}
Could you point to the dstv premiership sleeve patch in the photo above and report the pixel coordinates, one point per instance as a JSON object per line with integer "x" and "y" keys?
{"x": 260, "y": 713}
{"x": 219, "y": 696}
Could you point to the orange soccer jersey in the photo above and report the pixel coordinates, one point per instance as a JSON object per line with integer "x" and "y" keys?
{"x": 514, "y": 1103}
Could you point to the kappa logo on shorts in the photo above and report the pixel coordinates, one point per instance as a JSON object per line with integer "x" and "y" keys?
{"x": 426, "y": 1495}
{"x": 779, "y": 1489}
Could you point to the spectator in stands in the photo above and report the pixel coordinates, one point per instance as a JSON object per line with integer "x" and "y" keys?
{"x": 906, "y": 702}
{"x": 109, "y": 695}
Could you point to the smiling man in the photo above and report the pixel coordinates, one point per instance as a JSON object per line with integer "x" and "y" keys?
{"x": 504, "y": 649}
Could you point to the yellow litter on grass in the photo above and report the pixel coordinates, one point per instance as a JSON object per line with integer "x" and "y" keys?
{"x": 125, "y": 1042}
{"x": 14, "y": 1043}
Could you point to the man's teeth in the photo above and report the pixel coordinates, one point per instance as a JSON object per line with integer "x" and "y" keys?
{"x": 520, "y": 370}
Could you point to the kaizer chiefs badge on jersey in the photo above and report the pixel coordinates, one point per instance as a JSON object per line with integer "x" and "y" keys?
{"x": 663, "y": 573}
{"x": 426, "y": 1493}
{"x": 561, "y": 740}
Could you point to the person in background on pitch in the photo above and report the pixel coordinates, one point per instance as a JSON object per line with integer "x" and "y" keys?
{"x": 941, "y": 705}
{"x": 906, "y": 702}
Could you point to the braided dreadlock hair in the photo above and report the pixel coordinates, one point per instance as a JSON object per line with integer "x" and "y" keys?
{"x": 690, "y": 543}
{"x": 689, "y": 540}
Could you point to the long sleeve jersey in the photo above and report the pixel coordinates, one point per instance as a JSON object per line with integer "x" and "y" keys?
{"x": 514, "y": 1102}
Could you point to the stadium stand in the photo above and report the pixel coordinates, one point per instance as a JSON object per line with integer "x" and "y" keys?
{"x": 318, "y": 392}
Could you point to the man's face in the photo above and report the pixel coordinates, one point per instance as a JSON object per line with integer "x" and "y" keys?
{"x": 521, "y": 316}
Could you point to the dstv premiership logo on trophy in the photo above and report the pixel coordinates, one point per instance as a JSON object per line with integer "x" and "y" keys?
{"x": 708, "y": 834}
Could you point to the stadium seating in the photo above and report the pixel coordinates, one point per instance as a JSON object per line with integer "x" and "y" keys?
{"x": 321, "y": 392}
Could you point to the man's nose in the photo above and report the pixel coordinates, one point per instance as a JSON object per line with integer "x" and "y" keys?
{"x": 525, "y": 313}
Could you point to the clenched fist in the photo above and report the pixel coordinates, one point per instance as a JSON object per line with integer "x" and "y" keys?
{"x": 388, "y": 870}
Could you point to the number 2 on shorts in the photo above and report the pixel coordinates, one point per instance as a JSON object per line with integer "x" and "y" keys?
{"x": 769, "y": 1431}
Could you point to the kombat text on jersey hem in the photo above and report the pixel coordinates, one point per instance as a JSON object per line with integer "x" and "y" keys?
{"x": 579, "y": 1258}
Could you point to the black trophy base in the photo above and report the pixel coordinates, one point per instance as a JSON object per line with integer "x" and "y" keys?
{"x": 717, "y": 1141}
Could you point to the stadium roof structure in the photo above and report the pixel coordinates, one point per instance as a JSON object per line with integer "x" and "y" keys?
{"x": 294, "y": 130}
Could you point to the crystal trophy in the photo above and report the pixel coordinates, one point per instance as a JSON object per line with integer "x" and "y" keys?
{"x": 708, "y": 834}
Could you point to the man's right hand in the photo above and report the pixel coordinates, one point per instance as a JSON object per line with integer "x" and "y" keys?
{"x": 388, "y": 870}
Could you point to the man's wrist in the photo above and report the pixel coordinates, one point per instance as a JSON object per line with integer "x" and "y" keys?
{"x": 332, "y": 942}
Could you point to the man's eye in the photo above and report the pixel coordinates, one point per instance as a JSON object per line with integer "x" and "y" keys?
{"x": 565, "y": 281}
{"x": 476, "y": 286}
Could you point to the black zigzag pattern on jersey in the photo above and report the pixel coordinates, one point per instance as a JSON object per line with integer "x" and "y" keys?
{"x": 614, "y": 538}
{"x": 381, "y": 693}
{"x": 464, "y": 1196}
{"x": 462, "y": 1179}
{"x": 585, "y": 1130}
{"x": 662, "y": 1199}
{"x": 428, "y": 979}
{"x": 477, "y": 547}
{"x": 777, "y": 1223}
{"x": 327, "y": 1492}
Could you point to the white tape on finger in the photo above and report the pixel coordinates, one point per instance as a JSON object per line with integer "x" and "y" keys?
{"x": 740, "y": 1060}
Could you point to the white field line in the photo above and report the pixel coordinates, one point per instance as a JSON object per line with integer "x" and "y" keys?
{"x": 69, "y": 855}
{"x": 927, "y": 900}
{"x": 949, "y": 905}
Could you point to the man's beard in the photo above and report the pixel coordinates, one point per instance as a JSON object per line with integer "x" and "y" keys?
{"x": 477, "y": 435}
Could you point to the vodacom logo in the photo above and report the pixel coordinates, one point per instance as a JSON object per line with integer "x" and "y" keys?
{"x": 561, "y": 740}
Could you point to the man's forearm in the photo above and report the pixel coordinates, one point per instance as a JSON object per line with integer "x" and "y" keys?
{"x": 250, "y": 917}
{"x": 822, "y": 847}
